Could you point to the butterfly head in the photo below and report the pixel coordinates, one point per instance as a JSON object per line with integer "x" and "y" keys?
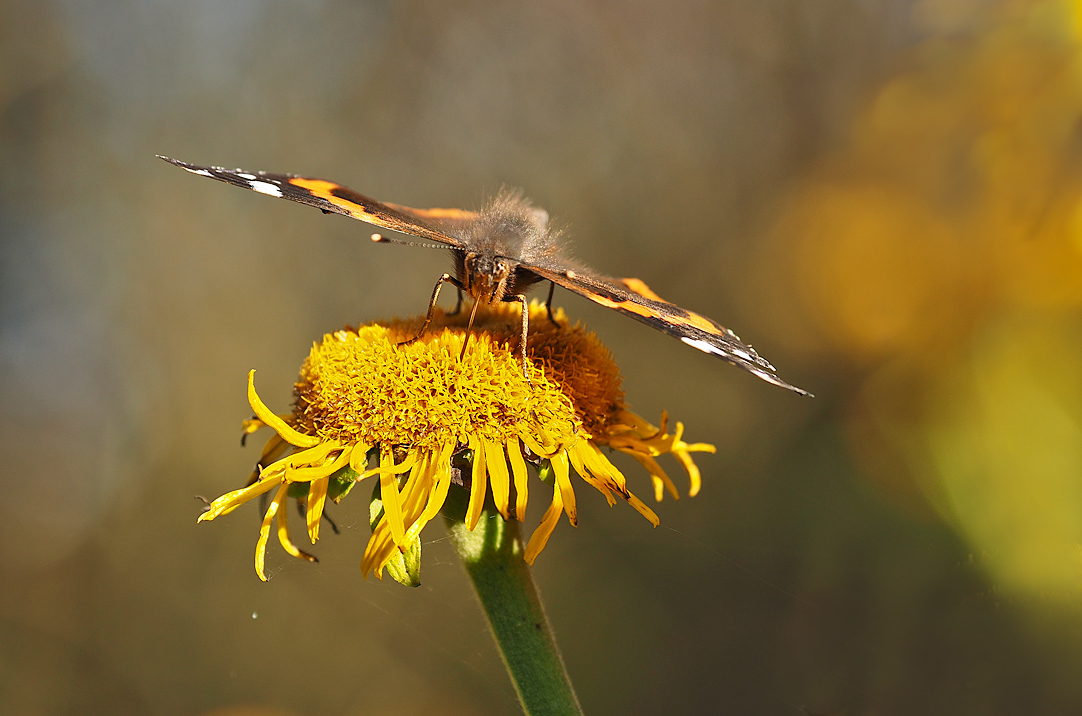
{"x": 487, "y": 277}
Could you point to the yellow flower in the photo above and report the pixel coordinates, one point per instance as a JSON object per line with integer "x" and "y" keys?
{"x": 419, "y": 410}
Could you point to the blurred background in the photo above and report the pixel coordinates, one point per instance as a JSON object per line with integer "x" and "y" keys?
{"x": 882, "y": 195}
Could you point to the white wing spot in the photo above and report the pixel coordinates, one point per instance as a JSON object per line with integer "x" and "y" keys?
{"x": 200, "y": 172}
{"x": 245, "y": 175}
{"x": 702, "y": 345}
{"x": 742, "y": 353}
{"x": 264, "y": 188}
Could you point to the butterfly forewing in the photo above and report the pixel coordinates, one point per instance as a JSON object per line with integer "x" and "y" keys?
{"x": 632, "y": 297}
{"x": 331, "y": 197}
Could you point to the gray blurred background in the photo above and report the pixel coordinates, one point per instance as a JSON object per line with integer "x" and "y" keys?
{"x": 881, "y": 195}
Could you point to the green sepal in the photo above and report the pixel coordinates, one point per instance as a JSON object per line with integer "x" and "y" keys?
{"x": 343, "y": 480}
{"x": 341, "y": 483}
{"x": 405, "y": 566}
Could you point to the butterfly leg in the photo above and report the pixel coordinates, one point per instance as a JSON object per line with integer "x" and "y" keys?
{"x": 548, "y": 304}
{"x": 445, "y": 278}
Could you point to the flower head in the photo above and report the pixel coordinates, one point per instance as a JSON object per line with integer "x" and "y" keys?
{"x": 426, "y": 419}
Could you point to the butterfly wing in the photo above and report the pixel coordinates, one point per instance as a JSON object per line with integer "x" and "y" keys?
{"x": 634, "y": 298}
{"x": 628, "y": 296}
{"x": 437, "y": 225}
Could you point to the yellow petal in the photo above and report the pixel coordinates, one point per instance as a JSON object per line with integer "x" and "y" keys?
{"x": 283, "y": 536}
{"x": 251, "y": 425}
{"x": 478, "y": 486}
{"x": 692, "y": 470}
{"x": 231, "y": 500}
{"x": 313, "y": 455}
{"x": 417, "y": 488}
{"x": 626, "y": 443}
{"x": 318, "y": 472}
{"x": 499, "y": 480}
{"x": 602, "y": 466}
{"x": 392, "y": 504}
{"x": 264, "y": 530}
{"x": 657, "y": 473}
{"x": 518, "y": 469}
{"x": 390, "y": 468}
{"x": 643, "y": 509}
{"x": 317, "y": 498}
{"x": 563, "y": 481}
{"x": 662, "y": 429}
{"x": 358, "y": 459}
{"x": 535, "y": 447}
{"x": 381, "y": 547}
{"x": 633, "y": 423}
{"x": 280, "y": 426}
{"x": 271, "y": 452}
{"x": 378, "y": 551}
{"x": 540, "y": 536}
{"x": 575, "y": 456}
{"x": 438, "y": 495}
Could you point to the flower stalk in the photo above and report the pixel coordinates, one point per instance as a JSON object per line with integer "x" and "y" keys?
{"x": 493, "y": 555}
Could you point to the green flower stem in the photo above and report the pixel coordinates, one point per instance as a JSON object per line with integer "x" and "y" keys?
{"x": 492, "y": 555}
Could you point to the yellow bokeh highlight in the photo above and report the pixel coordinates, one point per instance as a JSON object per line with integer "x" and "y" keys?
{"x": 874, "y": 296}
{"x": 938, "y": 255}
{"x": 1006, "y": 440}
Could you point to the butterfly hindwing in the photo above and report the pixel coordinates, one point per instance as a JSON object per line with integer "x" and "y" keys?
{"x": 447, "y": 218}
{"x": 328, "y": 196}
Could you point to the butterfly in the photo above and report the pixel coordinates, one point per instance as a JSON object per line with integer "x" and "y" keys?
{"x": 499, "y": 252}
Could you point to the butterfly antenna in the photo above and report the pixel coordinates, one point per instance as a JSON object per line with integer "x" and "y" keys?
{"x": 381, "y": 239}
{"x": 469, "y": 328}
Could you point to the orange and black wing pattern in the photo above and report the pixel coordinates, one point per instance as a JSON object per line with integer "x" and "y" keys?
{"x": 446, "y": 227}
{"x": 634, "y": 298}
{"x": 434, "y": 224}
